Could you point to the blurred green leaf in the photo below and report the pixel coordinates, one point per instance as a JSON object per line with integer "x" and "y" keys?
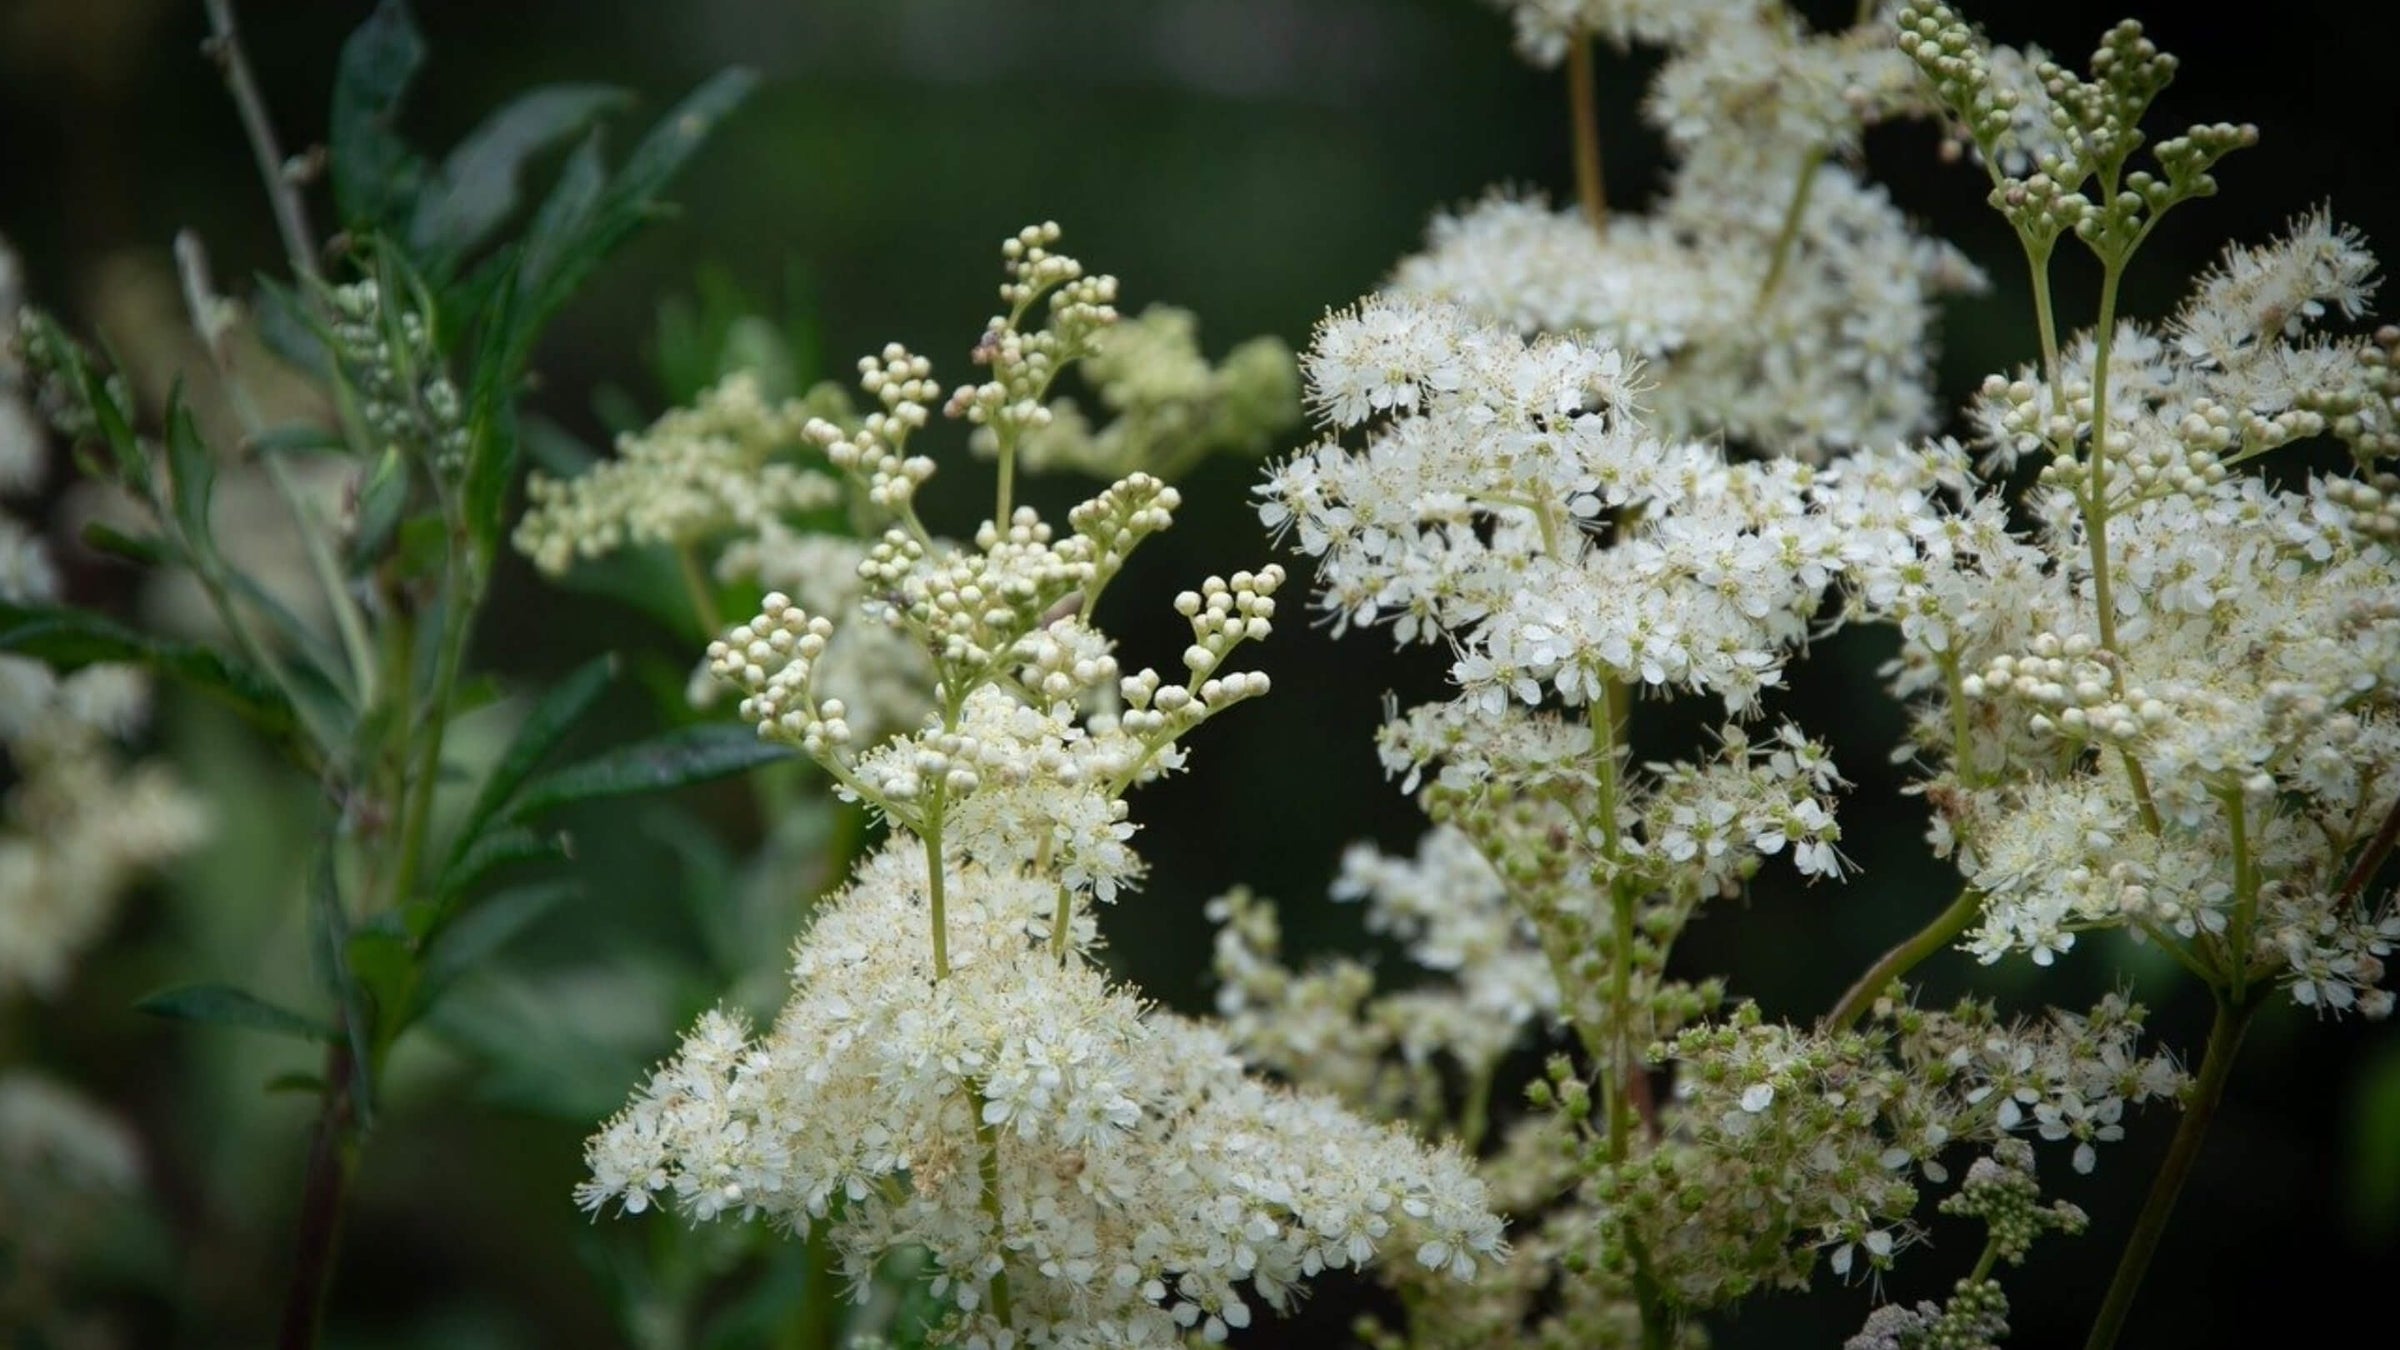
{"x": 482, "y": 180}
{"x": 195, "y": 471}
{"x": 492, "y": 850}
{"x": 544, "y": 727}
{"x": 487, "y": 927}
{"x": 382, "y": 500}
{"x": 71, "y": 639}
{"x": 693, "y": 754}
{"x": 375, "y": 174}
{"x": 298, "y": 439}
{"x": 147, "y": 550}
{"x": 225, "y": 1006}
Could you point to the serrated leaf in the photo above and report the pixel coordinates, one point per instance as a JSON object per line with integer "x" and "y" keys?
{"x": 481, "y": 181}
{"x": 693, "y": 754}
{"x": 71, "y": 639}
{"x": 375, "y": 175}
{"x": 544, "y": 727}
{"x": 225, "y": 1006}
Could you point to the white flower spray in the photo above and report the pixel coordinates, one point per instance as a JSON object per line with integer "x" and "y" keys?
{"x": 952, "y": 1072}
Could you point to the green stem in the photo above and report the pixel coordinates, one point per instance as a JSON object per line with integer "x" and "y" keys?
{"x": 2245, "y": 893}
{"x": 987, "y": 1148}
{"x": 1787, "y": 238}
{"x": 1583, "y": 112}
{"x": 417, "y": 813}
{"x": 2095, "y": 527}
{"x": 1004, "y": 494}
{"x": 2216, "y": 1067}
{"x": 1962, "y": 742}
{"x": 1985, "y": 1261}
{"x": 934, "y": 898}
{"x": 697, "y": 589}
{"x": 1933, "y": 937}
{"x": 346, "y": 616}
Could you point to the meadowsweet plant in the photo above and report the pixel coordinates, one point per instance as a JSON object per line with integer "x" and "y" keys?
{"x": 952, "y": 1073}
{"x": 1609, "y": 474}
{"x": 2151, "y": 694}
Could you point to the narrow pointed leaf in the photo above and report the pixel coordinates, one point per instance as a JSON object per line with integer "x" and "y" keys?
{"x": 375, "y": 175}
{"x": 481, "y": 182}
{"x": 693, "y": 754}
{"x": 225, "y": 1006}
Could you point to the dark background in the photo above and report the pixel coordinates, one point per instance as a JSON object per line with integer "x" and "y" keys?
{"x": 1259, "y": 161}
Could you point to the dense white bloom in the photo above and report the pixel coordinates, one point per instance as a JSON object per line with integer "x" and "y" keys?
{"x": 1144, "y": 1183}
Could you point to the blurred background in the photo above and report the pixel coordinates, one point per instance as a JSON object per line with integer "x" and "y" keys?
{"x": 1257, "y": 161}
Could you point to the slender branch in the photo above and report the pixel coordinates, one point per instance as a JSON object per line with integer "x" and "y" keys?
{"x": 2216, "y": 1067}
{"x": 224, "y": 45}
{"x": 697, "y": 589}
{"x": 332, "y": 1155}
{"x": 1940, "y": 933}
{"x": 2371, "y": 859}
{"x": 1787, "y": 238}
{"x": 1583, "y": 111}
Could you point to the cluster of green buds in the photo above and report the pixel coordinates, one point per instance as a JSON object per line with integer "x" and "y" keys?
{"x": 406, "y": 397}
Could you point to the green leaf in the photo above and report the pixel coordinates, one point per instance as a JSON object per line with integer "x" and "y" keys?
{"x": 544, "y": 727}
{"x": 375, "y": 174}
{"x": 195, "y": 471}
{"x": 382, "y": 500}
{"x": 481, "y": 181}
{"x": 71, "y": 639}
{"x": 298, "y": 439}
{"x": 485, "y": 929}
{"x": 225, "y": 1006}
{"x": 492, "y": 850}
{"x": 295, "y": 1081}
{"x": 384, "y": 962}
{"x": 693, "y": 754}
{"x": 148, "y": 550}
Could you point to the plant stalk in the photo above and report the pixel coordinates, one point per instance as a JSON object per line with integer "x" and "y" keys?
{"x": 2216, "y": 1067}
{"x": 1583, "y": 112}
{"x": 332, "y": 1157}
{"x": 1940, "y": 933}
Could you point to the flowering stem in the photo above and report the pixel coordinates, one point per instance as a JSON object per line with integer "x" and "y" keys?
{"x": 987, "y": 1151}
{"x": 695, "y": 585}
{"x": 2245, "y": 894}
{"x": 1004, "y": 494}
{"x": 2095, "y": 525}
{"x": 1962, "y": 744}
{"x": 933, "y": 897}
{"x": 1788, "y": 237}
{"x": 1940, "y": 933}
{"x": 2224, "y": 1042}
{"x": 1583, "y": 100}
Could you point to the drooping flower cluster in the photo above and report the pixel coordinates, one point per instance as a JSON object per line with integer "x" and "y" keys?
{"x": 1776, "y": 298}
{"x": 952, "y": 1072}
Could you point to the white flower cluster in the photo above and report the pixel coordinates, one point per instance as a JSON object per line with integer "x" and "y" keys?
{"x": 1475, "y": 514}
{"x": 1081, "y": 1170}
{"x": 1137, "y": 1180}
{"x": 64, "y": 1162}
{"x": 1776, "y": 298}
{"x": 694, "y": 474}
